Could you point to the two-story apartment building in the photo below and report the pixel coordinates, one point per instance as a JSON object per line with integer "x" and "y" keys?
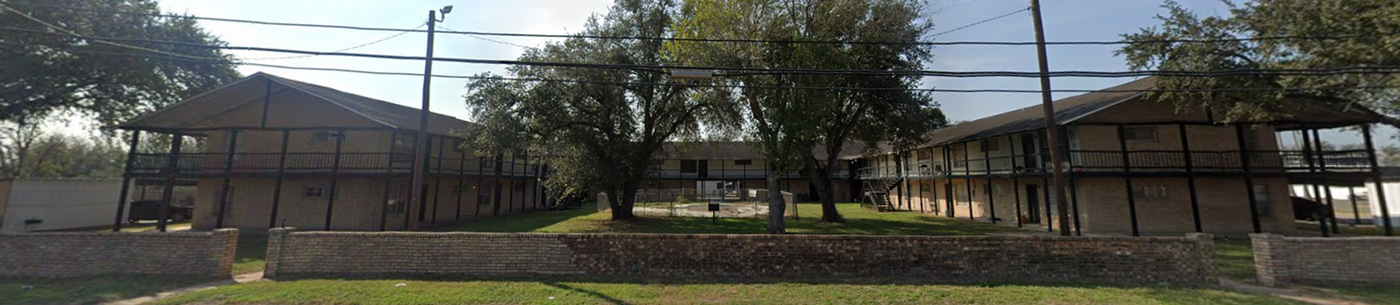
{"x": 716, "y": 165}
{"x": 284, "y": 152}
{"x": 1133, "y": 166}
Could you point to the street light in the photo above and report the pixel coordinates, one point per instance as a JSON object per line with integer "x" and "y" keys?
{"x": 420, "y": 158}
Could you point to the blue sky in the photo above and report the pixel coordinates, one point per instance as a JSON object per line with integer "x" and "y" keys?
{"x": 1065, "y": 20}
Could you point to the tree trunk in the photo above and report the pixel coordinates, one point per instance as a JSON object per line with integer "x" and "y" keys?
{"x": 621, "y": 203}
{"x": 820, "y": 177}
{"x": 776, "y": 206}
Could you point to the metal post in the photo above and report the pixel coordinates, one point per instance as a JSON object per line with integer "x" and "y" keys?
{"x": 1061, "y": 203}
{"x": 1380, "y": 186}
{"x": 461, "y": 182}
{"x": 1190, "y": 176}
{"x": 496, "y": 198}
{"x": 967, "y": 170}
{"x": 480, "y": 185}
{"x": 511, "y": 189}
{"x": 281, "y": 175}
{"x": 1322, "y": 166}
{"x": 437, "y": 181}
{"x": 172, "y": 171}
{"x": 1248, "y": 178}
{"x": 1073, "y": 187}
{"x": 1015, "y": 181}
{"x": 335, "y": 176}
{"x": 228, "y": 177}
{"x": 1128, "y": 179}
{"x": 1355, "y": 211}
{"x": 388, "y": 179}
{"x": 126, "y": 179}
{"x": 948, "y": 186}
{"x": 420, "y": 143}
{"x": 987, "y": 169}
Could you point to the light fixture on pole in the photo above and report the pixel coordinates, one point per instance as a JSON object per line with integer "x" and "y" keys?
{"x": 420, "y": 156}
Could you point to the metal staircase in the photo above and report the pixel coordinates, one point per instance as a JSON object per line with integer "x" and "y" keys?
{"x": 878, "y": 198}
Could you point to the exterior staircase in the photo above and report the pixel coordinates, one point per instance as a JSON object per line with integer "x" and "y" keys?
{"x": 878, "y": 197}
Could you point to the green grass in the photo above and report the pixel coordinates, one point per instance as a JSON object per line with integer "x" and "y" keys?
{"x": 373, "y": 292}
{"x": 1375, "y": 295}
{"x": 1234, "y": 258}
{"x": 858, "y": 221}
{"x": 251, "y": 254}
{"x": 87, "y": 290}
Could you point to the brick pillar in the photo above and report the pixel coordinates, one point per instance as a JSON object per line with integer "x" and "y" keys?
{"x": 275, "y": 242}
{"x": 1205, "y": 252}
{"x": 1270, "y": 262}
{"x": 224, "y": 244}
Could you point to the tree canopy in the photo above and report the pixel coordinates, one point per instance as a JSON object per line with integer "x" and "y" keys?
{"x": 790, "y": 127}
{"x": 45, "y": 73}
{"x": 1324, "y": 34}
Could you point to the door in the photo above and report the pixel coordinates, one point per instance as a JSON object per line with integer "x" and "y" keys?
{"x": 1032, "y": 204}
{"x": 948, "y": 189}
{"x": 704, "y": 168}
{"x": 1028, "y": 150}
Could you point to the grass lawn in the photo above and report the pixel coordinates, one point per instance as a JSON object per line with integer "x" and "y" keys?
{"x": 1234, "y": 258}
{"x": 305, "y": 292}
{"x": 858, "y": 221}
{"x": 87, "y": 290}
{"x": 251, "y": 255}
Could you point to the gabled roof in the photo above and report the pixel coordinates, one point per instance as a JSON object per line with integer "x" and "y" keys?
{"x": 1067, "y": 111}
{"x": 252, "y": 88}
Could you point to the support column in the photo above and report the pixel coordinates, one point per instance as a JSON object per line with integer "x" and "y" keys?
{"x": 967, "y": 170}
{"x": 335, "y": 176}
{"x": 480, "y": 186}
{"x": 1376, "y": 175}
{"x": 172, "y": 171}
{"x": 948, "y": 185}
{"x": 1073, "y": 183}
{"x": 1355, "y": 212}
{"x": 1310, "y": 149}
{"x": 281, "y": 175}
{"x": 423, "y": 189}
{"x": 987, "y": 169}
{"x": 1248, "y": 178}
{"x": 1322, "y": 166}
{"x": 496, "y": 198}
{"x": 126, "y": 180}
{"x": 461, "y": 182}
{"x": 1015, "y": 178}
{"x": 1128, "y": 179}
{"x": 228, "y": 177}
{"x": 388, "y": 179}
{"x": 1190, "y": 176}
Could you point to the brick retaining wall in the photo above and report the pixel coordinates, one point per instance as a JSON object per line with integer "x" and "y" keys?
{"x": 666, "y": 256}
{"x": 78, "y": 254}
{"x": 1314, "y": 260}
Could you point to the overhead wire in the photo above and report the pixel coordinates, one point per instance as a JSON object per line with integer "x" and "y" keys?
{"x": 728, "y": 40}
{"x": 1027, "y": 9}
{"x": 706, "y": 85}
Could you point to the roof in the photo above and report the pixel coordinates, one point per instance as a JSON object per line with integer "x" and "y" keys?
{"x": 252, "y": 88}
{"x": 1067, "y": 110}
{"x": 738, "y": 150}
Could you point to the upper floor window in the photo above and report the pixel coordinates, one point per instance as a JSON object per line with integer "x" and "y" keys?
{"x": 925, "y": 154}
{"x": 1146, "y": 133}
{"x": 314, "y": 192}
{"x": 688, "y": 166}
{"x": 991, "y": 145}
{"x": 1149, "y": 191}
{"x": 322, "y": 137}
{"x": 743, "y": 162}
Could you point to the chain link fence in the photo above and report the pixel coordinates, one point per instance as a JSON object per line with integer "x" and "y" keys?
{"x": 733, "y": 203}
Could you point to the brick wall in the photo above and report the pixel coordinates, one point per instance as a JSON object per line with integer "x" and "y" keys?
{"x": 1314, "y": 260}
{"x": 79, "y": 254}
{"x": 663, "y": 256}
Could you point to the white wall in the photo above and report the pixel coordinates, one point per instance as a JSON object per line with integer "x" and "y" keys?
{"x": 1392, "y": 202}
{"x": 61, "y": 204}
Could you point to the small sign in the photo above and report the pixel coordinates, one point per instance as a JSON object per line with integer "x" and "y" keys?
{"x": 714, "y": 207}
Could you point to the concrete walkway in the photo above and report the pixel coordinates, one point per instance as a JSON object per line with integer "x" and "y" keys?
{"x": 1310, "y": 298}
{"x": 237, "y": 279}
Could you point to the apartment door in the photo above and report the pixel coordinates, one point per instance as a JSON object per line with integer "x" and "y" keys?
{"x": 1032, "y": 203}
{"x": 704, "y": 168}
{"x": 1028, "y": 150}
{"x": 948, "y": 189}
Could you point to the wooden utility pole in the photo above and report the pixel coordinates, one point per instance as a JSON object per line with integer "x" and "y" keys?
{"x": 419, "y": 190}
{"x": 1051, "y": 136}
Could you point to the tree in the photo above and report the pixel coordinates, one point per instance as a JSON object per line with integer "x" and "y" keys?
{"x": 1337, "y": 34}
{"x": 31, "y": 153}
{"x": 607, "y": 134}
{"x": 789, "y": 126}
{"x": 45, "y": 73}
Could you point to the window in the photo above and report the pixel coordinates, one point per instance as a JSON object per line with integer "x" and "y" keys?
{"x": 321, "y": 137}
{"x": 743, "y": 162}
{"x": 1149, "y": 191}
{"x": 314, "y": 192}
{"x": 925, "y": 154}
{"x": 960, "y": 197}
{"x": 398, "y": 205}
{"x": 1262, "y": 199}
{"x": 1140, "y": 133}
{"x": 991, "y": 145}
{"x": 688, "y": 166}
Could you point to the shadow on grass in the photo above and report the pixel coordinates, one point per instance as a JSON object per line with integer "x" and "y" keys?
{"x": 90, "y": 290}
{"x": 527, "y": 222}
{"x": 563, "y": 286}
{"x": 251, "y": 254}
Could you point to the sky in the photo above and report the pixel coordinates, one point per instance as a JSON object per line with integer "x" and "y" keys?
{"x": 1065, "y": 20}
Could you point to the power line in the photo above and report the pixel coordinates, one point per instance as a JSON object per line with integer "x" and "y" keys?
{"x": 700, "y": 85}
{"x": 341, "y": 50}
{"x": 980, "y": 22}
{"x": 742, "y": 71}
{"x": 931, "y": 43}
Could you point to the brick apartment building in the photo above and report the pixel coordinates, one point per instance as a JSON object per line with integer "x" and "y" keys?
{"x": 282, "y": 151}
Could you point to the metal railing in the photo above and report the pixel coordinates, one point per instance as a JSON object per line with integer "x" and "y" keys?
{"x": 315, "y": 161}
{"x": 1141, "y": 160}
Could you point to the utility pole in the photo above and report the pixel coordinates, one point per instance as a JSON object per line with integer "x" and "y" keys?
{"x": 1052, "y": 132}
{"x": 420, "y": 155}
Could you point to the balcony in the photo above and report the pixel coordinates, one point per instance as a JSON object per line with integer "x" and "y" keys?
{"x": 300, "y": 163}
{"x": 1155, "y": 161}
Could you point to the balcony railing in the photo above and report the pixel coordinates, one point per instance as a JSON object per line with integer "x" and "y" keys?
{"x": 298, "y": 162}
{"x": 1290, "y": 161}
